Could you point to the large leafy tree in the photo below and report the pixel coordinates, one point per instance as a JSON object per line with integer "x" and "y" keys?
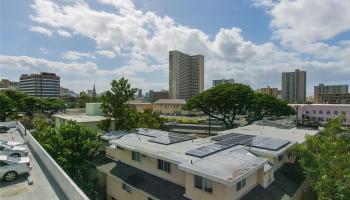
{"x": 29, "y": 105}
{"x": 51, "y": 106}
{"x": 325, "y": 159}
{"x": 227, "y": 101}
{"x": 7, "y": 106}
{"x": 114, "y": 103}
{"x": 16, "y": 98}
{"x": 73, "y": 147}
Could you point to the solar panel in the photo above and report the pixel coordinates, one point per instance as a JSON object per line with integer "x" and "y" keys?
{"x": 226, "y": 136}
{"x": 171, "y": 138}
{"x": 205, "y": 151}
{"x": 273, "y": 144}
{"x": 254, "y": 141}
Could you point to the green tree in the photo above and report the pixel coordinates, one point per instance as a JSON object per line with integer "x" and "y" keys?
{"x": 325, "y": 159}
{"x": 16, "y": 97}
{"x": 148, "y": 119}
{"x": 227, "y": 101}
{"x": 223, "y": 102}
{"x": 114, "y": 103}
{"x": 84, "y": 98}
{"x": 264, "y": 105}
{"x": 51, "y": 106}
{"x": 7, "y": 106}
{"x": 73, "y": 147}
{"x": 29, "y": 105}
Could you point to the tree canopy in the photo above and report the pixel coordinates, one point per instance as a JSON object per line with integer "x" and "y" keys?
{"x": 227, "y": 101}
{"x": 51, "y": 106}
{"x": 72, "y": 146}
{"x": 7, "y": 107}
{"x": 325, "y": 159}
{"x": 114, "y": 103}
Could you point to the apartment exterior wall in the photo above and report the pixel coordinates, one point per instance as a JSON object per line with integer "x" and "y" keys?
{"x": 294, "y": 86}
{"x": 322, "y": 112}
{"x": 148, "y": 164}
{"x": 269, "y": 91}
{"x": 115, "y": 190}
{"x": 222, "y": 81}
{"x": 40, "y": 85}
{"x": 186, "y": 75}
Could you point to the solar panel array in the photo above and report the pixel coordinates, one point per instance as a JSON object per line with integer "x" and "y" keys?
{"x": 171, "y": 138}
{"x": 232, "y": 139}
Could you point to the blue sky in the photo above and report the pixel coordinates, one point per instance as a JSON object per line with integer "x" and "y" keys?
{"x": 252, "y": 41}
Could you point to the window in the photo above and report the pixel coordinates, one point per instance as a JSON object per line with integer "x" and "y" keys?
{"x": 241, "y": 184}
{"x": 136, "y": 156}
{"x": 328, "y": 112}
{"x": 320, "y": 112}
{"x": 126, "y": 188}
{"x": 280, "y": 157}
{"x": 164, "y": 165}
{"x": 336, "y": 112}
{"x": 203, "y": 184}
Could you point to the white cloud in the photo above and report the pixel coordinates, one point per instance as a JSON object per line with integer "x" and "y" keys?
{"x": 105, "y": 53}
{"x": 40, "y": 29}
{"x": 145, "y": 37}
{"x": 64, "y": 33}
{"x": 75, "y": 55}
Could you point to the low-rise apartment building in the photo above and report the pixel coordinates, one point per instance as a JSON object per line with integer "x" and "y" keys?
{"x": 322, "y": 113}
{"x": 152, "y": 164}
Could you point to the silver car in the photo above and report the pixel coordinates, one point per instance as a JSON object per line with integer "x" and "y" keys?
{"x": 14, "y": 151}
{"x": 11, "y": 143}
{"x": 11, "y": 167}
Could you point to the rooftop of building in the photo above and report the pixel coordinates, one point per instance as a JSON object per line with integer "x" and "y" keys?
{"x": 322, "y": 104}
{"x": 141, "y": 180}
{"x": 171, "y": 101}
{"x": 217, "y": 165}
{"x": 79, "y": 117}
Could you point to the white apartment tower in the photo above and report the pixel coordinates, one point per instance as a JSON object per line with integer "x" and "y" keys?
{"x": 186, "y": 75}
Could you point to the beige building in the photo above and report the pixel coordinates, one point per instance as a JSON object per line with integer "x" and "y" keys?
{"x": 331, "y": 94}
{"x": 186, "y": 75}
{"x": 152, "y": 164}
{"x": 162, "y": 106}
{"x": 268, "y": 90}
{"x": 294, "y": 86}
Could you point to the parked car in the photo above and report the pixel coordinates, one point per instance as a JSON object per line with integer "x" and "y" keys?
{"x": 11, "y": 167}
{"x": 14, "y": 151}
{"x": 4, "y": 129}
{"x": 11, "y": 143}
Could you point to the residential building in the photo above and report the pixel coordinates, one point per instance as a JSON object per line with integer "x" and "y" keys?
{"x": 222, "y": 81}
{"x": 155, "y": 96}
{"x": 153, "y": 164}
{"x": 322, "y": 113}
{"x": 331, "y": 94}
{"x": 10, "y": 85}
{"x": 186, "y": 75}
{"x": 139, "y": 93}
{"x": 40, "y": 85}
{"x": 294, "y": 86}
{"x": 268, "y": 90}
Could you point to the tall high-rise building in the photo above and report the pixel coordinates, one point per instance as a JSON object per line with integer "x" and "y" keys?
{"x": 294, "y": 86}
{"x": 222, "y": 81}
{"x": 139, "y": 93}
{"x": 40, "y": 85}
{"x": 186, "y": 75}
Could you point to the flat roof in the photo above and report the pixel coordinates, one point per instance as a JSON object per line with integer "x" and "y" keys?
{"x": 226, "y": 166}
{"x": 80, "y": 117}
{"x": 292, "y": 134}
{"x": 43, "y": 187}
{"x": 319, "y": 104}
{"x": 171, "y": 101}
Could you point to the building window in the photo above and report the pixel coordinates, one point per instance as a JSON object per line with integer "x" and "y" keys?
{"x": 307, "y": 112}
{"x": 320, "y": 112}
{"x": 336, "y": 112}
{"x": 164, "y": 165}
{"x": 280, "y": 157}
{"x": 126, "y": 188}
{"x": 328, "y": 112}
{"x": 203, "y": 184}
{"x": 136, "y": 156}
{"x": 241, "y": 184}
